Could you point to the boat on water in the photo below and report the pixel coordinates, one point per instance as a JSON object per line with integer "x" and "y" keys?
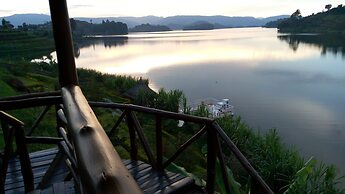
{"x": 215, "y": 108}
{"x": 221, "y": 109}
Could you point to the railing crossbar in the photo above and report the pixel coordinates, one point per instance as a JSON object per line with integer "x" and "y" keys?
{"x": 38, "y": 120}
{"x": 143, "y": 139}
{"x": 31, "y": 95}
{"x": 152, "y": 111}
{"x": 29, "y": 102}
{"x": 118, "y": 122}
{"x": 242, "y": 159}
{"x": 184, "y": 146}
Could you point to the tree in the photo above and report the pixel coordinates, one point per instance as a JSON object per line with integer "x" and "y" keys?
{"x": 6, "y": 24}
{"x": 296, "y": 14}
{"x": 24, "y": 27}
{"x": 73, "y": 24}
{"x": 328, "y": 7}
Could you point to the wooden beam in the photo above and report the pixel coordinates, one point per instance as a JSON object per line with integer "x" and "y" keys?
{"x": 42, "y": 140}
{"x": 132, "y": 136}
{"x": 152, "y": 111}
{"x": 159, "y": 143}
{"x": 143, "y": 140}
{"x": 184, "y": 146}
{"x": 63, "y": 42}
{"x": 242, "y": 159}
{"x": 112, "y": 131}
{"x": 29, "y": 102}
{"x": 38, "y": 120}
{"x": 211, "y": 160}
{"x": 24, "y": 159}
{"x": 31, "y": 95}
{"x": 223, "y": 166}
{"x": 100, "y": 167}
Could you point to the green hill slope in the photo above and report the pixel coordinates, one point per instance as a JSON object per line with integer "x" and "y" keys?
{"x": 329, "y": 21}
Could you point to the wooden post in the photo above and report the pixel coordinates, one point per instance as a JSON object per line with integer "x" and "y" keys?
{"x": 242, "y": 159}
{"x": 118, "y": 122}
{"x": 211, "y": 159}
{"x": 223, "y": 166}
{"x": 132, "y": 136}
{"x": 63, "y": 42}
{"x": 159, "y": 143}
{"x": 24, "y": 159}
{"x": 5, "y": 129}
{"x": 5, "y": 159}
{"x": 38, "y": 120}
{"x": 143, "y": 140}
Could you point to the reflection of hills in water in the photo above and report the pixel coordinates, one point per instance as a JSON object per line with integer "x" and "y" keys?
{"x": 108, "y": 42}
{"x": 327, "y": 43}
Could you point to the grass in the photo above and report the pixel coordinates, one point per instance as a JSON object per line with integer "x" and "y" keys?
{"x": 276, "y": 163}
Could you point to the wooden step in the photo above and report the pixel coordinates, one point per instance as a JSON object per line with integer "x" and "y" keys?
{"x": 149, "y": 180}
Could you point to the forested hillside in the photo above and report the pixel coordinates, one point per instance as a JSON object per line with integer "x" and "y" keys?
{"x": 332, "y": 20}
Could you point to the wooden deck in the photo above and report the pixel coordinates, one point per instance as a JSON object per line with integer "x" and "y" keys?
{"x": 52, "y": 161}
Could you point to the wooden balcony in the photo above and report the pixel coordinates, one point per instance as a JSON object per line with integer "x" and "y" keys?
{"x": 59, "y": 170}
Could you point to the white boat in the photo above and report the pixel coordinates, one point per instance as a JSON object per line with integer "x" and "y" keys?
{"x": 216, "y": 108}
{"x": 220, "y": 109}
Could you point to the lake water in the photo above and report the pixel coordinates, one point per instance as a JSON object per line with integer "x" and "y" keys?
{"x": 295, "y": 84}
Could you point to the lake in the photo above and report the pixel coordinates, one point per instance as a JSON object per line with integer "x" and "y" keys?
{"x": 295, "y": 84}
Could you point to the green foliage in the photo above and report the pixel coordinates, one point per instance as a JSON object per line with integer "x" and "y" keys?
{"x": 330, "y": 21}
{"x": 234, "y": 185}
{"x": 201, "y": 111}
{"x": 6, "y": 25}
{"x": 16, "y": 44}
{"x": 170, "y": 101}
{"x": 149, "y": 28}
{"x": 276, "y": 163}
{"x": 314, "y": 179}
{"x": 105, "y": 28}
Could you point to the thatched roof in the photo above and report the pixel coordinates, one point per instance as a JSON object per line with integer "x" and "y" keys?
{"x": 134, "y": 92}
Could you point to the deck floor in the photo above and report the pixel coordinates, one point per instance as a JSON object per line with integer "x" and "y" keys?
{"x": 148, "y": 179}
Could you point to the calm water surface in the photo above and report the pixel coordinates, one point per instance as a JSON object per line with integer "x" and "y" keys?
{"x": 293, "y": 83}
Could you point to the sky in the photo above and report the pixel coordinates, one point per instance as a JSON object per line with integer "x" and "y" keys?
{"x": 115, "y": 8}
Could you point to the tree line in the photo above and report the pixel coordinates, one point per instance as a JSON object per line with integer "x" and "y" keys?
{"x": 331, "y": 20}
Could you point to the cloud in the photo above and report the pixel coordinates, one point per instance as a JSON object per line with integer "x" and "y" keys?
{"x": 81, "y": 6}
{"x": 6, "y": 11}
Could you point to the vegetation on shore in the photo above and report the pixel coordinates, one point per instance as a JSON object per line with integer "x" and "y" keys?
{"x": 332, "y": 20}
{"x": 202, "y": 25}
{"x": 149, "y": 28}
{"x": 282, "y": 167}
{"x": 107, "y": 27}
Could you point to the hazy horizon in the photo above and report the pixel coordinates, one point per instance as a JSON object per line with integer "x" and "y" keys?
{"x": 120, "y": 8}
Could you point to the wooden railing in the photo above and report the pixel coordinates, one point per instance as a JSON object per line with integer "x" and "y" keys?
{"x": 86, "y": 134}
{"x": 215, "y": 138}
{"x": 13, "y": 130}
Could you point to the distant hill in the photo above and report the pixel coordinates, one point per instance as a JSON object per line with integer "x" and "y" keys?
{"x": 19, "y": 19}
{"x": 274, "y": 24}
{"x": 173, "y": 22}
{"x": 149, "y": 28}
{"x": 328, "y": 21}
{"x": 202, "y": 25}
